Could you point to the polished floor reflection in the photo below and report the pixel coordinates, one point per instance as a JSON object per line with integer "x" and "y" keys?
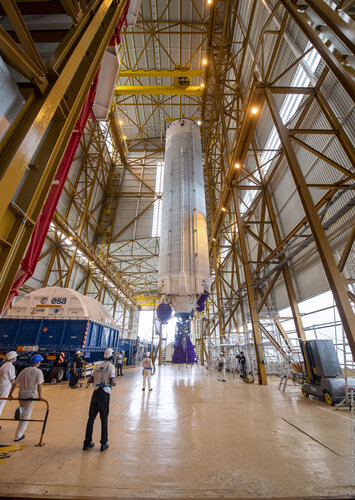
{"x": 192, "y": 436}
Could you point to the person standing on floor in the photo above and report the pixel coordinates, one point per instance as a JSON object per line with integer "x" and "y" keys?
{"x": 7, "y": 378}
{"x": 243, "y": 363}
{"x": 147, "y": 366}
{"x": 29, "y": 380}
{"x": 78, "y": 362}
{"x": 103, "y": 378}
{"x": 222, "y": 367}
{"x": 120, "y": 356}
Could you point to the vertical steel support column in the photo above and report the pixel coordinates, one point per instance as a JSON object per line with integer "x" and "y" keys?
{"x": 218, "y": 290}
{"x": 250, "y": 292}
{"x": 335, "y": 279}
{"x": 124, "y": 318}
{"x": 130, "y": 323}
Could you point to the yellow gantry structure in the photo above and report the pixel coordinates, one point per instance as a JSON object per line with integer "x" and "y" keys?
{"x": 162, "y": 73}
{"x": 158, "y": 90}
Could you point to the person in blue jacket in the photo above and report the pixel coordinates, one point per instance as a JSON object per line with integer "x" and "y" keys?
{"x": 243, "y": 363}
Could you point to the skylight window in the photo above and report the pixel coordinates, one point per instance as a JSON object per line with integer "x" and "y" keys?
{"x": 290, "y": 104}
{"x": 158, "y": 203}
{"x": 104, "y": 130}
{"x": 288, "y": 109}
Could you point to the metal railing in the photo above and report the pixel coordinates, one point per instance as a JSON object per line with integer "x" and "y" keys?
{"x": 44, "y": 421}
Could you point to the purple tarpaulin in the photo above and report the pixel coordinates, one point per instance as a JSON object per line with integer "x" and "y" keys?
{"x": 184, "y": 351}
{"x": 202, "y": 302}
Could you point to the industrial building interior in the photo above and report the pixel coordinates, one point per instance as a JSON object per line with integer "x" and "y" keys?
{"x": 89, "y": 89}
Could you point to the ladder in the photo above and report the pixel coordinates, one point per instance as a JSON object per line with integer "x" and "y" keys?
{"x": 162, "y": 355}
{"x": 198, "y": 350}
{"x": 284, "y": 376}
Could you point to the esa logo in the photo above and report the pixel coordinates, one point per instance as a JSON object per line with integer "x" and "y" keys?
{"x": 59, "y": 301}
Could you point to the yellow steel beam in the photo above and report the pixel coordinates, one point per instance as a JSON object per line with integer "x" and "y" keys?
{"x": 72, "y": 8}
{"x": 273, "y": 341}
{"x": 19, "y": 60}
{"x": 147, "y": 300}
{"x": 195, "y": 118}
{"x": 158, "y": 90}
{"x": 162, "y": 73}
{"x": 16, "y": 19}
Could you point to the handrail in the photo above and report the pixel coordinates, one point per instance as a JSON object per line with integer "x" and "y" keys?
{"x": 40, "y": 443}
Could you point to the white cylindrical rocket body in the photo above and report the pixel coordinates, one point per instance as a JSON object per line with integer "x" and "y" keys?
{"x": 183, "y": 261}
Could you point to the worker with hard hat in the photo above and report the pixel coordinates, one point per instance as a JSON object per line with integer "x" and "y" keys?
{"x": 103, "y": 378}
{"x": 7, "y": 377}
{"x": 120, "y": 357}
{"x": 147, "y": 365}
{"x": 78, "y": 363}
{"x": 30, "y": 381}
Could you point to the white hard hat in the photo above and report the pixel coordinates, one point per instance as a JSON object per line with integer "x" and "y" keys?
{"x": 108, "y": 353}
{"x": 11, "y": 355}
{"x": 147, "y": 354}
{"x": 78, "y": 352}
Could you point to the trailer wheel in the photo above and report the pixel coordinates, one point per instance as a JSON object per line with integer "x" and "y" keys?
{"x": 60, "y": 372}
{"x": 304, "y": 392}
{"x": 57, "y": 373}
{"x": 52, "y": 375}
{"x": 328, "y": 398}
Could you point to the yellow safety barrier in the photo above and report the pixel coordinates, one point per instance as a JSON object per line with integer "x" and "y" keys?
{"x": 88, "y": 366}
{"x": 31, "y": 420}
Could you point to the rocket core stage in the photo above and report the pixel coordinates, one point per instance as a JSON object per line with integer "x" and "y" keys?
{"x": 184, "y": 277}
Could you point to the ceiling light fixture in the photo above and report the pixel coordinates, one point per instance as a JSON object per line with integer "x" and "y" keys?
{"x": 237, "y": 165}
{"x": 199, "y": 123}
{"x": 204, "y": 62}
{"x": 254, "y": 110}
{"x": 202, "y": 85}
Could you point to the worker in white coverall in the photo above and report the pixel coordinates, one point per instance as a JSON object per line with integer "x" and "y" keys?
{"x": 30, "y": 380}
{"x": 222, "y": 367}
{"x": 147, "y": 366}
{"x": 120, "y": 357}
{"x": 7, "y": 378}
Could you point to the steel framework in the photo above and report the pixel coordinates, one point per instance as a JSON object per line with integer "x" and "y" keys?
{"x": 279, "y": 184}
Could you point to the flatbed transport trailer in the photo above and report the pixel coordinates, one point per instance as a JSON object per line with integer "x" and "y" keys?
{"x": 56, "y": 340}
{"x": 56, "y": 322}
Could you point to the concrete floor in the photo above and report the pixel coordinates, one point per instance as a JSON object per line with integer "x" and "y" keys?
{"x": 192, "y": 436}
